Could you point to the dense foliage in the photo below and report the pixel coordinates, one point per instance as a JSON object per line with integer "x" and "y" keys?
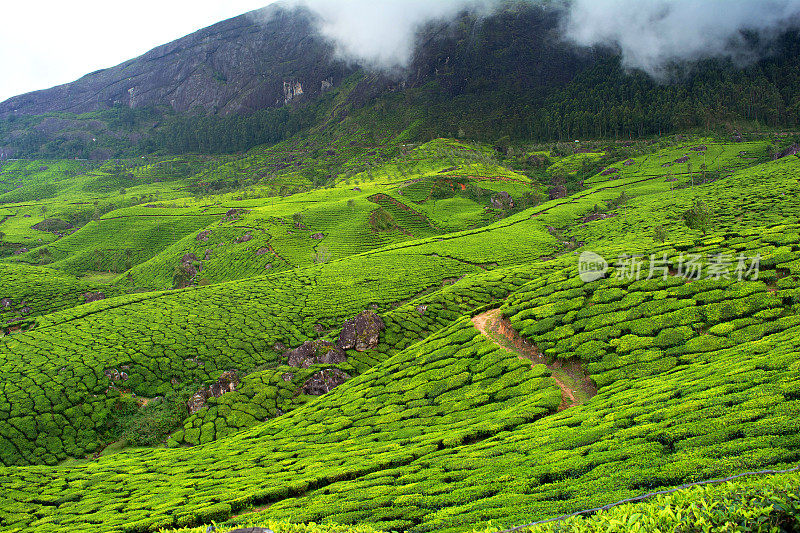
{"x": 437, "y": 426}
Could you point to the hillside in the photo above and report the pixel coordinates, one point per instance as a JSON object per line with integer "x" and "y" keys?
{"x": 505, "y": 76}
{"x": 501, "y": 388}
{"x": 242, "y": 64}
{"x": 250, "y": 284}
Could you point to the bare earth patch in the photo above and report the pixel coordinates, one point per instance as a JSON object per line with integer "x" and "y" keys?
{"x": 576, "y": 386}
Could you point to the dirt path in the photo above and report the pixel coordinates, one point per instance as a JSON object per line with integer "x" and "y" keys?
{"x": 576, "y": 386}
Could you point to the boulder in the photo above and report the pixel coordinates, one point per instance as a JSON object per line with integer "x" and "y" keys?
{"x": 609, "y": 171}
{"x": 318, "y": 236}
{"x": 317, "y": 352}
{"x": 244, "y": 238}
{"x": 204, "y": 235}
{"x": 115, "y": 374}
{"x": 6, "y": 304}
{"x": 556, "y": 192}
{"x": 227, "y": 382}
{"x": 502, "y": 200}
{"x": 188, "y": 271}
{"x": 324, "y": 381}
{"x": 629, "y": 162}
{"x": 362, "y": 332}
{"x": 597, "y": 216}
{"x": 93, "y": 297}
{"x": 207, "y": 255}
{"x": 792, "y": 150}
{"x": 684, "y": 159}
{"x": 233, "y": 214}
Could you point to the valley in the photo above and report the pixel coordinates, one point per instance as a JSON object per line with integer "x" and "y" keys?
{"x": 359, "y": 267}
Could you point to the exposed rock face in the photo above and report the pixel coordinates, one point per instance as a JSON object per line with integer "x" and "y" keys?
{"x": 291, "y": 90}
{"x": 189, "y": 270}
{"x": 318, "y": 236}
{"x": 234, "y": 214}
{"x": 362, "y": 332}
{"x": 244, "y": 238}
{"x": 204, "y": 235}
{"x": 792, "y": 150}
{"x": 93, "y": 297}
{"x": 609, "y": 171}
{"x": 683, "y": 159}
{"x": 502, "y": 200}
{"x": 324, "y": 381}
{"x": 115, "y": 374}
{"x": 556, "y": 192}
{"x": 261, "y": 59}
{"x": 597, "y": 216}
{"x": 315, "y": 353}
{"x": 227, "y": 382}
{"x": 629, "y": 162}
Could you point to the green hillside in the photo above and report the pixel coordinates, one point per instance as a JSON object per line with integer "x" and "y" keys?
{"x": 503, "y": 387}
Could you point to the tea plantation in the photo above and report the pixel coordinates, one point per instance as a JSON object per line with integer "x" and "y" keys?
{"x": 224, "y": 339}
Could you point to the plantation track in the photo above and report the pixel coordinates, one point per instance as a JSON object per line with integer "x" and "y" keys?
{"x": 576, "y": 387}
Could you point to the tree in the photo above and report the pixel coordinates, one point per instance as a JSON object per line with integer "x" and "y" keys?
{"x": 659, "y": 233}
{"x": 321, "y": 256}
{"x": 698, "y": 217}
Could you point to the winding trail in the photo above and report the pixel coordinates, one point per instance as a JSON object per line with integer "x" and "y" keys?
{"x": 576, "y": 387}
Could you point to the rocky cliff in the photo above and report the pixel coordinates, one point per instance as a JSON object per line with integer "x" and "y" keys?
{"x": 265, "y": 58}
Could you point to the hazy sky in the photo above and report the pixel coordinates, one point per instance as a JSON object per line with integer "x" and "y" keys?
{"x": 49, "y": 42}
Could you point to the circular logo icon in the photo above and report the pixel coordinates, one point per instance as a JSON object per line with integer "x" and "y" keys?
{"x": 591, "y": 267}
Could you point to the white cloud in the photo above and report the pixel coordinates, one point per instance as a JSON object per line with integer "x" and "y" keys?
{"x": 380, "y": 33}
{"x": 49, "y": 42}
{"x": 652, "y": 33}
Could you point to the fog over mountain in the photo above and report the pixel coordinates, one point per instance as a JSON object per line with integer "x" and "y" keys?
{"x": 650, "y": 34}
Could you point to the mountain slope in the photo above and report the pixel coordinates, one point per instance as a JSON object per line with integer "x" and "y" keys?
{"x": 262, "y": 59}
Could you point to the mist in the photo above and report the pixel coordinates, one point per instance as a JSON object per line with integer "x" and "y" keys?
{"x": 651, "y": 34}
{"x": 380, "y": 33}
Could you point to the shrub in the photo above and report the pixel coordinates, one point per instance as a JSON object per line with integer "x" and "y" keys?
{"x": 698, "y": 217}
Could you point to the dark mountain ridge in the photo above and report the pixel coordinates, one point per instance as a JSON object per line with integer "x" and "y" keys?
{"x": 242, "y": 64}
{"x": 268, "y": 75}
